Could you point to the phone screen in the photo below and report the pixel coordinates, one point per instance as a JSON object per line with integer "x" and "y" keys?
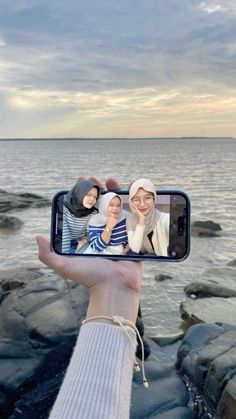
{"x": 164, "y": 234}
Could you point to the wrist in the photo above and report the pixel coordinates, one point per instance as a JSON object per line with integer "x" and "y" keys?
{"x": 108, "y": 228}
{"x": 113, "y": 302}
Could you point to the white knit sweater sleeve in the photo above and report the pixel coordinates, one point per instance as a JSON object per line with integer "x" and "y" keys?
{"x": 135, "y": 238}
{"x": 97, "y": 384}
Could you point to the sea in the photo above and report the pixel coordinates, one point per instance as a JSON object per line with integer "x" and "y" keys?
{"x": 205, "y": 168}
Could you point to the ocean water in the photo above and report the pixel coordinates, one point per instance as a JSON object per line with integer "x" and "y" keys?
{"x": 204, "y": 168}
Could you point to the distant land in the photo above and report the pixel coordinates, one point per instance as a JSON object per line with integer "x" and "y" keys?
{"x": 111, "y": 138}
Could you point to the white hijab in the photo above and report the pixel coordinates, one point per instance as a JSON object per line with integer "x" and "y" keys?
{"x": 100, "y": 219}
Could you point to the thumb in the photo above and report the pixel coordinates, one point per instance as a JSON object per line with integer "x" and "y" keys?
{"x": 44, "y": 250}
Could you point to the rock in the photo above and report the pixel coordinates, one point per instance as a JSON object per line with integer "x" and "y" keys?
{"x": 221, "y": 274}
{"x": 21, "y": 276}
{"x": 162, "y": 277}
{"x": 36, "y": 317}
{"x": 176, "y": 413}
{"x": 205, "y": 229}
{"x": 203, "y": 289}
{"x": 163, "y": 394}
{"x": 10, "y": 201}
{"x": 9, "y": 224}
{"x": 209, "y": 225}
{"x": 209, "y": 310}
{"x": 227, "y": 403}
{"x": 207, "y": 361}
{"x": 232, "y": 263}
{"x": 168, "y": 339}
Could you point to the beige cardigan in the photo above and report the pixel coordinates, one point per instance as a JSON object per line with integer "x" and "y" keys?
{"x": 160, "y": 237}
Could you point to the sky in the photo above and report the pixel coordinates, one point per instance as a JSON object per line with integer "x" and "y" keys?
{"x": 108, "y": 68}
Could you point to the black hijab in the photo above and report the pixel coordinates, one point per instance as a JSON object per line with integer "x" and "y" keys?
{"x": 74, "y": 198}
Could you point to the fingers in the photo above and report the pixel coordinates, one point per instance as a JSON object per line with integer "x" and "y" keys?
{"x": 112, "y": 184}
{"x": 79, "y": 179}
{"x": 95, "y": 180}
{"x": 45, "y": 254}
{"x": 43, "y": 247}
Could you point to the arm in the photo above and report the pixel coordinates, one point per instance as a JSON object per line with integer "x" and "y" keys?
{"x": 98, "y": 381}
{"x": 99, "y": 376}
{"x": 135, "y": 236}
{"x": 99, "y": 237}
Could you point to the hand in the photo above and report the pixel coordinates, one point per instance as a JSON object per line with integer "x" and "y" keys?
{"x": 111, "y": 184}
{"x": 113, "y": 286}
{"x": 139, "y": 216}
{"x": 111, "y": 222}
{"x": 80, "y": 244}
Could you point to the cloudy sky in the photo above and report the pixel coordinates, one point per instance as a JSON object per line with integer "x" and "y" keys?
{"x": 117, "y": 68}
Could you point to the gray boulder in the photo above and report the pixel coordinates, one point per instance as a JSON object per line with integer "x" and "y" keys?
{"x": 10, "y": 201}
{"x": 166, "y": 396}
{"x": 232, "y": 263}
{"x": 9, "y": 224}
{"x": 207, "y": 361}
{"x": 205, "y": 229}
{"x": 162, "y": 277}
{"x": 209, "y": 310}
{"x": 37, "y": 317}
{"x": 227, "y": 403}
{"x": 203, "y": 289}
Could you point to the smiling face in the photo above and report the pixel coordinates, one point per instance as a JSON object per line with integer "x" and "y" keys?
{"x": 144, "y": 201}
{"x": 114, "y": 207}
{"x": 90, "y": 198}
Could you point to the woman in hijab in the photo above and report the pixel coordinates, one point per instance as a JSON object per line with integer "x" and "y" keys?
{"x": 147, "y": 227}
{"x": 78, "y": 209}
{"x": 107, "y": 229}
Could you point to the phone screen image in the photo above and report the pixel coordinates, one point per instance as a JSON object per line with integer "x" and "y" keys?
{"x": 159, "y": 230}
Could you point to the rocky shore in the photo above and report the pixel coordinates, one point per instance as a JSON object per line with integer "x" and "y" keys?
{"x": 40, "y": 317}
{"x": 192, "y": 374}
{"x": 14, "y": 202}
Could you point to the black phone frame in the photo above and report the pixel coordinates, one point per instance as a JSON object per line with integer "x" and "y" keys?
{"x": 122, "y": 257}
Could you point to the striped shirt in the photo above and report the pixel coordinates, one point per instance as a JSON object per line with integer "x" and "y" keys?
{"x": 74, "y": 228}
{"x": 118, "y": 236}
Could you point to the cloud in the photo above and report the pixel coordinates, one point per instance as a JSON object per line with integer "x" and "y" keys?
{"x": 63, "y": 58}
{"x": 123, "y": 112}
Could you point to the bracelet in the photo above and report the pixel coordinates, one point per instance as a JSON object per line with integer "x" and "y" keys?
{"x": 120, "y": 321}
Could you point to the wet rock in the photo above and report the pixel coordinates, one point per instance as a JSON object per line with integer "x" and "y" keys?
{"x": 166, "y": 392}
{"x": 36, "y": 317}
{"x": 207, "y": 361}
{"x": 209, "y": 310}
{"x": 221, "y": 274}
{"x": 227, "y": 403}
{"x": 168, "y": 339}
{"x": 205, "y": 229}
{"x": 203, "y": 289}
{"x": 182, "y": 412}
{"x": 10, "y": 201}
{"x": 162, "y": 277}
{"x": 9, "y": 224}
{"x": 232, "y": 263}
{"x": 21, "y": 276}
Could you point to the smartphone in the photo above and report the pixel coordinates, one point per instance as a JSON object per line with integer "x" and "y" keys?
{"x": 173, "y": 206}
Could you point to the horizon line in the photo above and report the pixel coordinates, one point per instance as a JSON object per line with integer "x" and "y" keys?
{"x": 110, "y": 138}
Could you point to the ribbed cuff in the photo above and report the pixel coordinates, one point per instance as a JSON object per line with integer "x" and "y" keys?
{"x": 98, "y": 381}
